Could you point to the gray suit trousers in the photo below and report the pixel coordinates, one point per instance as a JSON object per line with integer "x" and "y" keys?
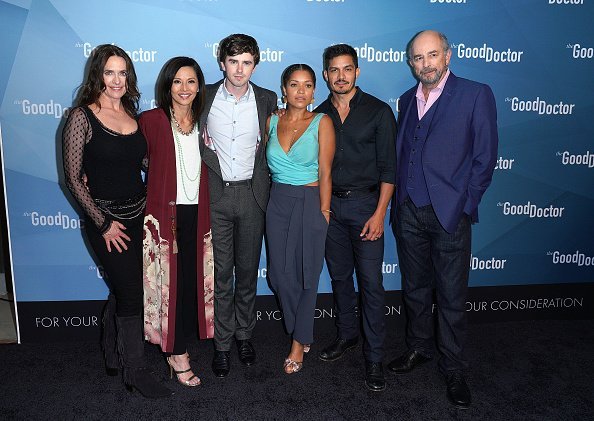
{"x": 237, "y": 230}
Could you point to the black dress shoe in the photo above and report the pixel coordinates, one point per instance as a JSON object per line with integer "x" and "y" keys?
{"x": 374, "y": 377}
{"x": 458, "y": 391}
{"x": 247, "y": 354}
{"x": 406, "y": 362}
{"x": 221, "y": 364}
{"x": 335, "y": 350}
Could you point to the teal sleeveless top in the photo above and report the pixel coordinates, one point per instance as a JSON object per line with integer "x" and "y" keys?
{"x": 299, "y": 166}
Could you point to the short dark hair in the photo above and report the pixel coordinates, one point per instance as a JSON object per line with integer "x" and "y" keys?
{"x": 90, "y": 90}
{"x": 339, "y": 50}
{"x": 285, "y": 77}
{"x": 236, "y": 44}
{"x": 165, "y": 81}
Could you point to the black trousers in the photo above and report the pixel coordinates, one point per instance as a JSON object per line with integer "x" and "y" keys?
{"x": 430, "y": 257}
{"x": 186, "y": 317}
{"x": 123, "y": 270}
{"x": 346, "y": 253}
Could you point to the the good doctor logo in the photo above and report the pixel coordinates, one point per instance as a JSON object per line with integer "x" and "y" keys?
{"x": 539, "y": 106}
{"x": 58, "y": 220}
{"x": 531, "y": 210}
{"x": 568, "y": 158}
{"x": 486, "y": 53}
{"x": 576, "y": 258}
{"x": 372, "y": 54}
{"x": 148, "y": 104}
{"x": 139, "y": 55}
{"x": 266, "y": 55}
{"x": 580, "y": 52}
{"x": 562, "y": 2}
{"x": 99, "y": 271}
{"x": 487, "y": 264}
{"x": 50, "y": 107}
{"x": 504, "y": 163}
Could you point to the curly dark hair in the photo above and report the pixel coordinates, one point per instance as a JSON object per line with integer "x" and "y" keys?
{"x": 90, "y": 90}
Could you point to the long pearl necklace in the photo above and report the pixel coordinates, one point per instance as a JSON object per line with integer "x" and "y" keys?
{"x": 183, "y": 170}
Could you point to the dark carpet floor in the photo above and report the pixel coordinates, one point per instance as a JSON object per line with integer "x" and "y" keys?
{"x": 535, "y": 370}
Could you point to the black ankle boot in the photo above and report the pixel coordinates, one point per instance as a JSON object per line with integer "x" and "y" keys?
{"x": 131, "y": 349}
{"x": 108, "y": 337}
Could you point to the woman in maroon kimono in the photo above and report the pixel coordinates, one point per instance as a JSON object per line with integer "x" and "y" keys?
{"x": 177, "y": 247}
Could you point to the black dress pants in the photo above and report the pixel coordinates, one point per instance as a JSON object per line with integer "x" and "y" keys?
{"x": 123, "y": 270}
{"x": 346, "y": 252}
{"x": 430, "y": 257}
{"x": 186, "y": 317}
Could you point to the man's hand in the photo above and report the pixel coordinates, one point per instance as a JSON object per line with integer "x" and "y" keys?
{"x": 373, "y": 228}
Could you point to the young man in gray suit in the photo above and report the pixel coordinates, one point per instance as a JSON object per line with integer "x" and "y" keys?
{"x": 235, "y": 119}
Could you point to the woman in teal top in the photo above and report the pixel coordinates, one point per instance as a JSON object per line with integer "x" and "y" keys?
{"x": 300, "y": 149}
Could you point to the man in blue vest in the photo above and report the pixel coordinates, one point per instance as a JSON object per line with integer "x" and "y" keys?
{"x": 446, "y": 150}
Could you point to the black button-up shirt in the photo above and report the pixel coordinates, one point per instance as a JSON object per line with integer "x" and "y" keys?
{"x": 365, "y": 142}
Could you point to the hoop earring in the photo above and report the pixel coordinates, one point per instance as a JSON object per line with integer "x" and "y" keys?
{"x": 284, "y": 99}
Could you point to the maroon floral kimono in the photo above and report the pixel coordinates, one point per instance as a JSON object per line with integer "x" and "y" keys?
{"x": 159, "y": 258}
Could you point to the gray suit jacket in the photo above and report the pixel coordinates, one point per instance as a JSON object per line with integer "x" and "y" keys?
{"x": 266, "y": 104}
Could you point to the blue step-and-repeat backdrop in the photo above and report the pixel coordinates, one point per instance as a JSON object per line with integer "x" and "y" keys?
{"x": 532, "y": 252}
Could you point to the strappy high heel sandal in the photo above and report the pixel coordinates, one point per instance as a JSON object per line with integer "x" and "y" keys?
{"x": 188, "y": 382}
{"x": 306, "y": 348}
{"x": 292, "y": 366}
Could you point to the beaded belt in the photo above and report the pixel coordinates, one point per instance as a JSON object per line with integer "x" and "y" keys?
{"x": 123, "y": 209}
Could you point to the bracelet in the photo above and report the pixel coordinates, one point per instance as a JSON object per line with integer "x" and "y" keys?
{"x": 327, "y": 210}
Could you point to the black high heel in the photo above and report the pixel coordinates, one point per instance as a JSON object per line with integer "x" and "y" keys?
{"x": 177, "y": 373}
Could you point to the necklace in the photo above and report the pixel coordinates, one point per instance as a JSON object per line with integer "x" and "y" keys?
{"x": 178, "y": 127}
{"x": 294, "y": 133}
{"x": 293, "y": 140}
{"x": 183, "y": 170}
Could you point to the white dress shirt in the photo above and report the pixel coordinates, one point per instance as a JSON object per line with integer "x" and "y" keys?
{"x": 235, "y": 132}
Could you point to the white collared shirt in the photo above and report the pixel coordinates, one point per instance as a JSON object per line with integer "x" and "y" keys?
{"x": 235, "y": 132}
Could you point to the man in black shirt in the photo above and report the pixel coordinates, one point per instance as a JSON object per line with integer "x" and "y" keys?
{"x": 362, "y": 185}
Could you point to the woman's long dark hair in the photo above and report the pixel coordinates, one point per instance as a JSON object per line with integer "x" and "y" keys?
{"x": 90, "y": 91}
{"x": 165, "y": 81}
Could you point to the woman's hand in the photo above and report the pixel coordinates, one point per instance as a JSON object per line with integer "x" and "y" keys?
{"x": 326, "y": 214}
{"x": 279, "y": 112}
{"x": 115, "y": 236}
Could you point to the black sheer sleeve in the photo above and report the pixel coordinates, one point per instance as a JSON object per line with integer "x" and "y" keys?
{"x": 77, "y": 133}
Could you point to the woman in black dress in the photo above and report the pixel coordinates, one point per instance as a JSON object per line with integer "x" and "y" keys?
{"x": 103, "y": 144}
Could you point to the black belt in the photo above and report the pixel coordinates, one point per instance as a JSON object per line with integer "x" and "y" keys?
{"x": 358, "y": 192}
{"x": 238, "y": 183}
